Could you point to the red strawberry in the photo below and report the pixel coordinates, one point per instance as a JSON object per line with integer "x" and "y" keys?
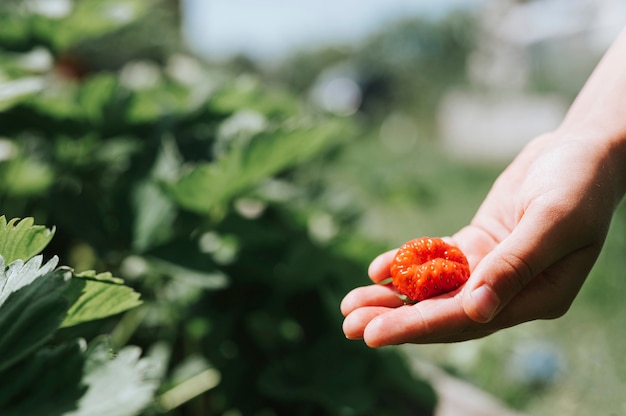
{"x": 427, "y": 267}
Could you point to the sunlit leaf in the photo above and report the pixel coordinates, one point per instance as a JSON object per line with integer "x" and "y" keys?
{"x": 90, "y": 19}
{"x": 118, "y": 385}
{"x": 25, "y": 177}
{"x": 244, "y": 166}
{"x": 20, "y": 274}
{"x": 165, "y": 99}
{"x": 98, "y": 296}
{"x": 21, "y": 239}
{"x": 14, "y": 91}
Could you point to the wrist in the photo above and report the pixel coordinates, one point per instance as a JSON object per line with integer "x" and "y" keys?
{"x": 606, "y": 147}
{"x": 597, "y": 115}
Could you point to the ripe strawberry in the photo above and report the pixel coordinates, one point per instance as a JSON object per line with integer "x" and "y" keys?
{"x": 427, "y": 267}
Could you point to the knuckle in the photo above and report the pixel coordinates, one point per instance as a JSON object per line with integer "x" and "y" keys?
{"x": 518, "y": 272}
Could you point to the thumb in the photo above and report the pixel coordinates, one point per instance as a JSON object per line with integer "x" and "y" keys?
{"x": 535, "y": 243}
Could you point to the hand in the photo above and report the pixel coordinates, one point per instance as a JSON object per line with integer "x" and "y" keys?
{"x": 530, "y": 247}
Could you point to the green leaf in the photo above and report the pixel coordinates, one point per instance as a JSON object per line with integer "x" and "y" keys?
{"x": 212, "y": 184}
{"x": 23, "y": 177}
{"x": 14, "y": 92}
{"x": 247, "y": 92}
{"x": 36, "y": 390}
{"x": 99, "y": 296}
{"x": 91, "y": 19}
{"x": 102, "y": 98}
{"x": 164, "y": 100}
{"x": 154, "y": 211}
{"x": 192, "y": 278}
{"x": 21, "y": 239}
{"x": 120, "y": 385}
{"x": 69, "y": 380}
{"x": 30, "y": 316}
{"x": 20, "y": 274}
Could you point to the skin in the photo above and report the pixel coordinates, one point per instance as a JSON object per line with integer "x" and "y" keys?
{"x": 535, "y": 238}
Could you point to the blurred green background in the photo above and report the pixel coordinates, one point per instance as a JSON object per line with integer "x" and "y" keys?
{"x": 242, "y": 194}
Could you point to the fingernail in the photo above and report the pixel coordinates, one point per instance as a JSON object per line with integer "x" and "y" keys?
{"x": 486, "y": 302}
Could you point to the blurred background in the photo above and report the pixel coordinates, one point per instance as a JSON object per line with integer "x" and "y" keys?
{"x": 447, "y": 93}
{"x": 239, "y": 163}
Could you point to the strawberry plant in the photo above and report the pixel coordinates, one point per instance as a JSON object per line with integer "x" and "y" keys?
{"x": 198, "y": 188}
{"x": 46, "y": 372}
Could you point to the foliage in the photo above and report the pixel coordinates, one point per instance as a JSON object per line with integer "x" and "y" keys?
{"x": 187, "y": 182}
{"x": 36, "y": 300}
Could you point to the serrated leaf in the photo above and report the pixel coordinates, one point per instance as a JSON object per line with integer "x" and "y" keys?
{"x": 20, "y": 274}
{"x": 106, "y": 277}
{"x": 99, "y": 296}
{"x": 212, "y": 184}
{"x": 30, "y": 316}
{"x": 48, "y": 383}
{"x": 119, "y": 385}
{"x": 21, "y": 239}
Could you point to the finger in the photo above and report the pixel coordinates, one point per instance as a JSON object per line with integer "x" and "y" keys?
{"x": 540, "y": 239}
{"x": 550, "y": 294}
{"x": 379, "y": 267}
{"x": 430, "y": 321}
{"x": 354, "y": 324}
{"x": 373, "y": 295}
{"x": 443, "y": 319}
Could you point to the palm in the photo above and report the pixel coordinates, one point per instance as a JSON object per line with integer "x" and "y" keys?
{"x": 533, "y": 240}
